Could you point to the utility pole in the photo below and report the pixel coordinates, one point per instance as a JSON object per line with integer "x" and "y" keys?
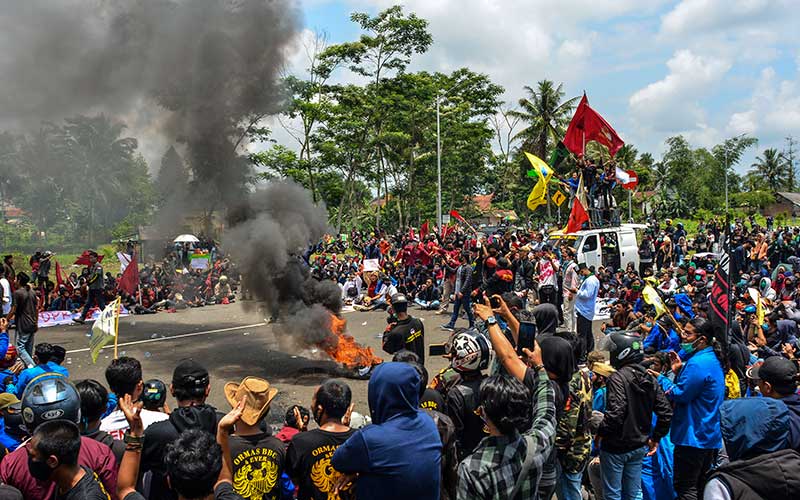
{"x": 790, "y": 142}
{"x": 439, "y": 97}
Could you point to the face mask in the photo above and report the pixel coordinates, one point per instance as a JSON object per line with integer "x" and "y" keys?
{"x": 39, "y": 470}
{"x": 688, "y": 347}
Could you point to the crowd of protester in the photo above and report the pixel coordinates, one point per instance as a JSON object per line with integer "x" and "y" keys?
{"x": 664, "y": 405}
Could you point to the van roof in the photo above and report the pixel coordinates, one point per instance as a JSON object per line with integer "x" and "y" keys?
{"x": 620, "y": 228}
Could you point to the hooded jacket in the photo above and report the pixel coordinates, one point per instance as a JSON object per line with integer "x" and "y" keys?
{"x": 632, "y": 396}
{"x": 399, "y": 456}
{"x": 158, "y": 435}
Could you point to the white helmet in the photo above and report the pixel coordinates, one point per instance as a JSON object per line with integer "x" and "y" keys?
{"x": 471, "y": 351}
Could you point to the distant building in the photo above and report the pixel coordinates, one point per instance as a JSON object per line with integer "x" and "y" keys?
{"x": 785, "y": 203}
{"x": 488, "y": 215}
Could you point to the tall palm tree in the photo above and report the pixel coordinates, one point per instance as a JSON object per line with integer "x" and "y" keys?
{"x": 546, "y": 115}
{"x": 773, "y": 168}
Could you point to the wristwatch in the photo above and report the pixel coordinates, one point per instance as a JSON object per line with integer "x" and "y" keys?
{"x": 491, "y": 320}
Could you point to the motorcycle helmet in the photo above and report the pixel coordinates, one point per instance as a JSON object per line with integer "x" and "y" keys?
{"x": 154, "y": 394}
{"x": 50, "y": 396}
{"x": 623, "y": 349}
{"x": 14, "y": 425}
{"x": 470, "y": 351}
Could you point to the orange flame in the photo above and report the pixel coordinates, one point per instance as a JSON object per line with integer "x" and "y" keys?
{"x": 344, "y": 348}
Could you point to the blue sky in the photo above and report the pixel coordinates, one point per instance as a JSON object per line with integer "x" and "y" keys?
{"x": 707, "y": 69}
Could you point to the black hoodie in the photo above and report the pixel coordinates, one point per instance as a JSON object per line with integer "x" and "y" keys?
{"x": 632, "y": 396}
{"x": 775, "y": 475}
{"x": 160, "y": 434}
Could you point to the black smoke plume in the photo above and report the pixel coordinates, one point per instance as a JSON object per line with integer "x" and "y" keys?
{"x": 196, "y": 73}
{"x": 268, "y": 236}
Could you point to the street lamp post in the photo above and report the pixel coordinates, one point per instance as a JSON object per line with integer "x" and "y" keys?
{"x": 442, "y": 94}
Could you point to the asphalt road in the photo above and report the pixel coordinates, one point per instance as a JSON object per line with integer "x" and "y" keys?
{"x": 233, "y": 342}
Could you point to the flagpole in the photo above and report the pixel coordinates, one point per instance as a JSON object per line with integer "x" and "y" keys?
{"x": 116, "y": 328}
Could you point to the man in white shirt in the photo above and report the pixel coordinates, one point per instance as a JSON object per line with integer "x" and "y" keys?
{"x": 548, "y": 281}
{"x": 572, "y": 283}
{"x": 5, "y": 293}
{"x": 124, "y": 376}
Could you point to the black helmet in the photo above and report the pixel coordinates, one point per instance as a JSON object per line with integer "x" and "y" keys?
{"x": 154, "y": 394}
{"x": 624, "y": 349}
{"x": 50, "y": 396}
{"x": 14, "y": 425}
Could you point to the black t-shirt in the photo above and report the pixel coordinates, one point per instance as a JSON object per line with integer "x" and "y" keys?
{"x": 462, "y": 401}
{"x": 88, "y": 488}
{"x": 406, "y": 334}
{"x": 26, "y": 316}
{"x": 308, "y": 463}
{"x": 258, "y": 462}
{"x": 224, "y": 491}
{"x": 432, "y": 400}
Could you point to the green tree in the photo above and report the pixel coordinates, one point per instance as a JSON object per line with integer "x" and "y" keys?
{"x": 546, "y": 114}
{"x": 772, "y": 168}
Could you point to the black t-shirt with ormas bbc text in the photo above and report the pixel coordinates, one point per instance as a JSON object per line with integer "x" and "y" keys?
{"x": 258, "y": 462}
{"x": 432, "y": 400}
{"x": 308, "y": 463}
{"x": 26, "y": 316}
{"x": 407, "y": 334}
{"x": 223, "y": 491}
{"x": 88, "y": 488}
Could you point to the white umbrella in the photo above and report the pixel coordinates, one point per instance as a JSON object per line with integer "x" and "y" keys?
{"x": 186, "y": 238}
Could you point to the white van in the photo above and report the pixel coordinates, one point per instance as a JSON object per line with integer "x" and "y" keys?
{"x": 612, "y": 247}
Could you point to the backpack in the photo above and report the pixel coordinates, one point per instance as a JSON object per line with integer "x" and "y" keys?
{"x": 117, "y": 447}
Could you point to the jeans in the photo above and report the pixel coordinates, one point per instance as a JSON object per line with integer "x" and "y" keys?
{"x": 457, "y": 305}
{"x": 585, "y": 336}
{"x": 25, "y": 347}
{"x": 690, "y": 466}
{"x": 622, "y": 474}
{"x": 569, "y": 485}
{"x": 427, "y": 305}
{"x": 95, "y": 296}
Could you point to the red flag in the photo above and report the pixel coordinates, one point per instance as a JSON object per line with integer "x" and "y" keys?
{"x": 457, "y": 216}
{"x": 83, "y": 260}
{"x": 424, "y": 229}
{"x": 411, "y": 235}
{"x": 587, "y": 125}
{"x": 129, "y": 280}
{"x": 577, "y": 216}
{"x": 59, "y": 279}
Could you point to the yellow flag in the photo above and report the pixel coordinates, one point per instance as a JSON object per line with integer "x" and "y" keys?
{"x": 756, "y": 296}
{"x": 543, "y": 171}
{"x": 105, "y": 328}
{"x": 650, "y": 295}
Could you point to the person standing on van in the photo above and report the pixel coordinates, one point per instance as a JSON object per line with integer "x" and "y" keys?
{"x": 584, "y": 307}
{"x": 571, "y": 284}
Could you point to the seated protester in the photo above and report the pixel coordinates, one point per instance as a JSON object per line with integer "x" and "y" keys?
{"x": 124, "y": 376}
{"x": 399, "y": 455}
{"x": 190, "y": 387}
{"x": 308, "y": 458}
{"x": 222, "y": 291}
{"x": 258, "y": 458}
{"x": 9, "y": 367}
{"x": 508, "y": 463}
{"x": 9, "y": 441}
{"x": 43, "y": 357}
{"x": 407, "y": 332}
{"x": 53, "y": 456}
{"x": 428, "y": 296}
{"x": 63, "y": 302}
{"x": 777, "y": 378}
{"x": 94, "y": 398}
{"x": 196, "y": 465}
{"x": 662, "y": 337}
{"x": 54, "y": 395}
{"x": 291, "y": 426}
{"x": 778, "y": 332}
{"x": 756, "y": 432}
{"x": 383, "y": 293}
{"x": 470, "y": 355}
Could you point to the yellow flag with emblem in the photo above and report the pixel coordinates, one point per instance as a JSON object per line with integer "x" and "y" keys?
{"x": 543, "y": 171}
{"x": 651, "y": 296}
{"x": 105, "y": 328}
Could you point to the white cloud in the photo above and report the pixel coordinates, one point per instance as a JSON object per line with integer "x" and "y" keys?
{"x": 674, "y": 102}
{"x": 696, "y": 16}
{"x": 773, "y": 110}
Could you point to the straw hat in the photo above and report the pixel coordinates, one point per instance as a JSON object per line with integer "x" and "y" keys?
{"x": 257, "y": 394}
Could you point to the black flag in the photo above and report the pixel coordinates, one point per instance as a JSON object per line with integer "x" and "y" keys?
{"x": 720, "y": 299}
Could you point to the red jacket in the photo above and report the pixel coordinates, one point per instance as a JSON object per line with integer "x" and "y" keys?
{"x": 93, "y": 454}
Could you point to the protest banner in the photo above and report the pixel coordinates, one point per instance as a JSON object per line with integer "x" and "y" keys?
{"x": 105, "y": 329}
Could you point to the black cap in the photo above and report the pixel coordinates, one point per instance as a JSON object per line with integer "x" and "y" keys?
{"x": 582, "y": 266}
{"x": 778, "y": 371}
{"x": 190, "y": 374}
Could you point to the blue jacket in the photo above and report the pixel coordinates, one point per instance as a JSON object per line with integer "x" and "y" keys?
{"x": 9, "y": 442}
{"x": 661, "y": 342}
{"x": 29, "y": 374}
{"x": 792, "y": 402}
{"x": 698, "y": 392}
{"x": 399, "y": 456}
